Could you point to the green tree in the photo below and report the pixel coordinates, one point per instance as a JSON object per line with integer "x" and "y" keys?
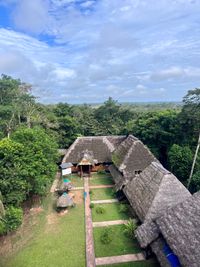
{"x": 180, "y": 159}
{"x": 40, "y": 157}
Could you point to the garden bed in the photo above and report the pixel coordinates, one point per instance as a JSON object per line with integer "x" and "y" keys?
{"x": 121, "y": 244}
{"x": 101, "y": 179}
{"x": 102, "y": 193}
{"x": 147, "y": 263}
{"x": 110, "y": 212}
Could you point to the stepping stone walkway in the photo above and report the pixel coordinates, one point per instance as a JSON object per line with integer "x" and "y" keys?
{"x": 108, "y": 223}
{"x": 101, "y": 186}
{"x": 90, "y": 255}
{"x": 120, "y": 259}
{"x": 105, "y": 201}
{"x": 77, "y": 188}
{"x": 55, "y": 182}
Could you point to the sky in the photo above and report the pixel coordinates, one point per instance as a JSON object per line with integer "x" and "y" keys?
{"x": 83, "y": 51}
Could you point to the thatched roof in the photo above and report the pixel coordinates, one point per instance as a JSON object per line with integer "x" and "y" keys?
{"x": 147, "y": 233}
{"x": 132, "y": 156}
{"x": 180, "y": 226}
{"x": 154, "y": 190}
{"x": 99, "y": 147}
{"x": 64, "y": 201}
{"x": 87, "y": 159}
{"x": 117, "y": 177}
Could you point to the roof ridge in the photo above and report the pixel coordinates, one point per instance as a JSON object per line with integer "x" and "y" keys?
{"x": 70, "y": 149}
{"x": 161, "y": 184}
{"x": 130, "y": 149}
{"x": 109, "y": 144}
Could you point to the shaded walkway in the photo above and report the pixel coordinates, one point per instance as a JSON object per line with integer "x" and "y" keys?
{"x": 90, "y": 255}
{"x": 105, "y": 201}
{"x": 101, "y": 186}
{"x": 108, "y": 223}
{"x": 55, "y": 182}
{"x": 120, "y": 259}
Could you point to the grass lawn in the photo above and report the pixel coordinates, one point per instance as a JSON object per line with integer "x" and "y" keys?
{"x": 147, "y": 263}
{"x": 111, "y": 213}
{"x": 102, "y": 193}
{"x": 57, "y": 241}
{"x": 121, "y": 244}
{"x": 101, "y": 179}
{"x": 76, "y": 180}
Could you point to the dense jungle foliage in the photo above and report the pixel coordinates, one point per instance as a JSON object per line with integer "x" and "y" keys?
{"x": 31, "y": 133}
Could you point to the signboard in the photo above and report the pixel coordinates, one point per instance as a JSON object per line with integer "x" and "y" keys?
{"x": 66, "y": 171}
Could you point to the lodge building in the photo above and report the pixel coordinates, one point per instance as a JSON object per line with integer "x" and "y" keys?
{"x": 169, "y": 215}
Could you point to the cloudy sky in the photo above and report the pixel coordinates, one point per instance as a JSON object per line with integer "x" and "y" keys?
{"x": 87, "y": 50}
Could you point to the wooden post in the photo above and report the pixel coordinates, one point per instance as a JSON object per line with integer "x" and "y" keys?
{"x": 194, "y": 161}
{"x": 81, "y": 174}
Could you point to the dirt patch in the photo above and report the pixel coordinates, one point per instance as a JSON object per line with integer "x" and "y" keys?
{"x": 36, "y": 210}
{"x": 15, "y": 240}
{"x": 77, "y": 196}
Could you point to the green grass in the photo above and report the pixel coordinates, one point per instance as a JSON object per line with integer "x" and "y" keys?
{"x": 147, "y": 263}
{"x": 120, "y": 245}
{"x": 59, "y": 243}
{"x": 102, "y": 193}
{"x": 101, "y": 179}
{"x": 76, "y": 180}
{"x": 111, "y": 213}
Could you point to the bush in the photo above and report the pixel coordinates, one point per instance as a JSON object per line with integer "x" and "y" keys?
{"x": 123, "y": 208}
{"x": 13, "y": 218}
{"x": 91, "y": 192}
{"x": 129, "y": 228}
{"x": 101, "y": 172}
{"x": 91, "y": 205}
{"x": 113, "y": 192}
{"x": 2, "y": 227}
{"x": 100, "y": 210}
{"x": 107, "y": 236}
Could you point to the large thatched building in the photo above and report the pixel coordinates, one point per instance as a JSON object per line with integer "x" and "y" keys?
{"x": 169, "y": 215}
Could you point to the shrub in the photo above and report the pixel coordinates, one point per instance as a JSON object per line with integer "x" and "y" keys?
{"x": 123, "y": 208}
{"x": 101, "y": 172}
{"x": 91, "y": 192}
{"x": 13, "y": 218}
{"x": 2, "y": 227}
{"x": 100, "y": 210}
{"x": 113, "y": 192}
{"x": 129, "y": 228}
{"x": 107, "y": 236}
{"x": 91, "y": 205}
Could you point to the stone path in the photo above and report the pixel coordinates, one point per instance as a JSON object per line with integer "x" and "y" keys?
{"x": 77, "y": 188}
{"x": 101, "y": 186}
{"x": 120, "y": 259}
{"x": 105, "y": 201}
{"x": 90, "y": 255}
{"x": 55, "y": 182}
{"x": 108, "y": 223}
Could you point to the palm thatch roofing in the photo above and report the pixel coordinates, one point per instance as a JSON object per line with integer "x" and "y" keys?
{"x": 99, "y": 147}
{"x": 180, "y": 227}
{"x": 65, "y": 201}
{"x": 117, "y": 177}
{"x": 153, "y": 191}
{"x": 87, "y": 159}
{"x": 132, "y": 156}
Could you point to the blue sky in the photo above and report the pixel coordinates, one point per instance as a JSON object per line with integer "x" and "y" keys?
{"x": 87, "y": 50}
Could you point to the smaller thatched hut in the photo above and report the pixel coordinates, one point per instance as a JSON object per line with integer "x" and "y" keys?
{"x": 65, "y": 201}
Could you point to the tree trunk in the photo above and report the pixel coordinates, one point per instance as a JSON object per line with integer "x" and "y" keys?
{"x": 194, "y": 162}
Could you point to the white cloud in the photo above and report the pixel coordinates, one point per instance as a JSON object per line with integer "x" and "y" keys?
{"x": 32, "y": 16}
{"x": 130, "y": 48}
